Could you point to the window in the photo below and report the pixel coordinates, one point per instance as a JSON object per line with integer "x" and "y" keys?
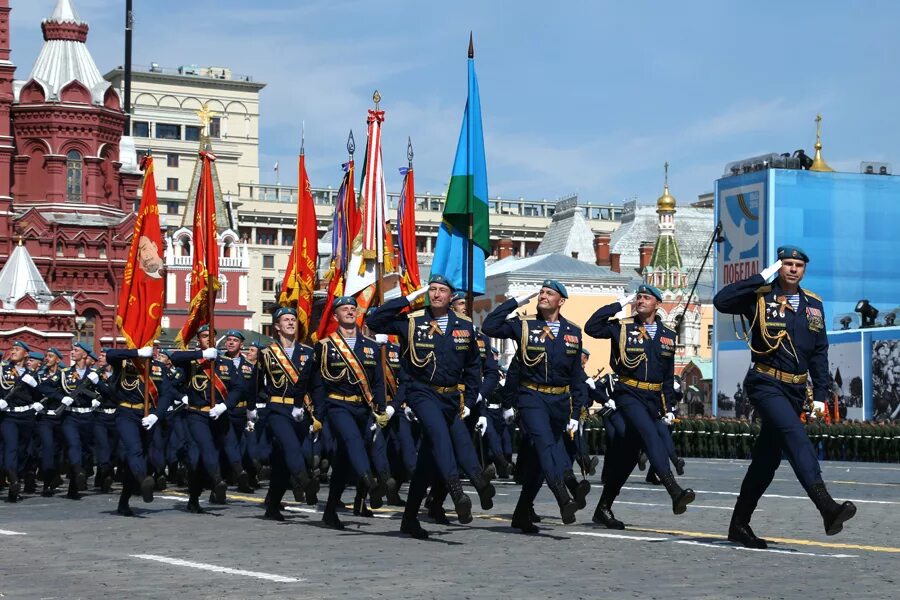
{"x": 140, "y": 129}
{"x": 215, "y": 127}
{"x": 268, "y": 261}
{"x": 171, "y": 160}
{"x": 266, "y": 237}
{"x": 192, "y": 133}
{"x": 171, "y": 208}
{"x": 74, "y": 176}
{"x": 168, "y": 131}
{"x": 287, "y": 237}
{"x": 268, "y": 284}
{"x": 82, "y": 251}
{"x": 709, "y": 335}
{"x": 59, "y": 249}
{"x": 171, "y": 184}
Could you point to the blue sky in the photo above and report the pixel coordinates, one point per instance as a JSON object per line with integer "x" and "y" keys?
{"x": 587, "y": 97}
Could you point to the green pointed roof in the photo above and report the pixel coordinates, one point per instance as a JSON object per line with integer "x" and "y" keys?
{"x": 223, "y": 220}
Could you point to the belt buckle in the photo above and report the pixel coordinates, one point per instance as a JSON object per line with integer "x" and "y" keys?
{"x": 796, "y": 379}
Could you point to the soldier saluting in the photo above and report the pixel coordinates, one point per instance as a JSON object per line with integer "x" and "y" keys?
{"x": 788, "y": 344}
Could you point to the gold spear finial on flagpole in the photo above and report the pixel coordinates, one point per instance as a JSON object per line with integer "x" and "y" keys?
{"x": 376, "y": 98}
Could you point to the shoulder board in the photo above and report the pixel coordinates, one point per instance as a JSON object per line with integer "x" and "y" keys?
{"x": 417, "y": 313}
{"x": 305, "y": 346}
{"x": 370, "y": 339}
{"x": 670, "y": 331}
{"x": 626, "y": 321}
{"x": 813, "y": 295}
{"x": 528, "y": 317}
{"x": 764, "y": 289}
{"x": 462, "y": 316}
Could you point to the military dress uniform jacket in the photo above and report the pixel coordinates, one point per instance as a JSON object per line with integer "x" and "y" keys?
{"x": 429, "y": 356}
{"x": 333, "y": 377}
{"x": 490, "y": 369}
{"x": 284, "y": 381}
{"x": 79, "y": 387}
{"x": 542, "y": 359}
{"x": 636, "y": 356}
{"x": 19, "y": 394}
{"x": 129, "y": 381}
{"x": 106, "y": 390}
{"x": 196, "y": 370}
{"x": 50, "y": 386}
{"x": 792, "y": 342}
{"x": 245, "y": 383}
{"x": 395, "y": 379}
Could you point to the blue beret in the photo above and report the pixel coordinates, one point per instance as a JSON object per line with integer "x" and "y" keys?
{"x": 235, "y": 333}
{"x": 495, "y": 350}
{"x": 344, "y": 301}
{"x": 257, "y": 345}
{"x": 792, "y": 252}
{"x": 646, "y": 288}
{"x": 22, "y": 345}
{"x": 87, "y": 349}
{"x": 91, "y": 355}
{"x": 104, "y": 350}
{"x": 441, "y": 280}
{"x": 283, "y": 310}
{"x": 36, "y": 355}
{"x": 168, "y": 352}
{"x": 457, "y": 296}
{"x": 556, "y": 287}
{"x": 585, "y": 351}
{"x": 52, "y": 350}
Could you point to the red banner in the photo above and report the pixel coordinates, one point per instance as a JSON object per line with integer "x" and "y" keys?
{"x": 300, "y": 275}
{"x": 410, "y": 280}
{"x": 142, "y": 296}
{"x": 205, "y": 266}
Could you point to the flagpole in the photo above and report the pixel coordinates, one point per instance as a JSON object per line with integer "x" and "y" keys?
{"x": 300, "y": 192}
{"x": 210, "y": 297}
{"x": 379, "y": 273}
{"x": 470, "y": 244}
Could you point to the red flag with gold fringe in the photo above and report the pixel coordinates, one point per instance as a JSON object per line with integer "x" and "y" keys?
{"x": 300, "y": 275}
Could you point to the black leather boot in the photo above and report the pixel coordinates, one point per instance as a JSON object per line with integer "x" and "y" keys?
{"x": 360, "y": 509}
{"x": 522, "y": 520}
{"x": 739, "y": 530}
{"x": 461, "y": 501}
{"x": 393, "y": 493}
{"x": 123, "y": 508}
{"x": 486, "y": 492}
{"x": 567, "y": 506}
{"x": 147, "y": 485}
{"x": 680, "y": 497}
{"x": 12, "y": 495}
{"x": 679, "y": 466}
{"x": 217, "y": 495}
{"x": 503, "y": 467}
{"x": 300, "y": 483}
{"x": 330, "y": 516}
{"x": 30, "y": 486}
{"x": 578, "y": 489}
{"x": 603, "y": 514}
{"x": 243, "y": 480}
{"x": 375, "y": 489}
{"x": 833, "y": 514}
{"x": 437, "y": 514}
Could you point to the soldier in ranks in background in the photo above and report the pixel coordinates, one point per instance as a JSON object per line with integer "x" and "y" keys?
{"x": 244, "y": 410}
{"x": 441, "y": 373}
{"x": 643, "y": 357}
{"x": 576, "y": 445}
{"x": 550, "y": 384}
{"x": 128, "y": 375}
{"x": 399, "y": 436}
{"x": 105, "y": 437}
{"x": 207, "y": 430}
{"x": 285, "y": 367}
{"x": 80, "y": 399}
{"x": 788, "y": 344}
{"x": 48, "y": 424}
{"x": 20, "y": 395}
{"x": 347, "y": 387}
{"x": 258, "y": 444}
{"x": 498, "y": 434}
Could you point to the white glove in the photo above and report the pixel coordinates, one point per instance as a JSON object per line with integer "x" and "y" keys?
{"x": 389, "y": 411}
{"x": 297, "y": 413}
{"x": 184, "y": 400}
{"x": 210, "y": 353}
{"x": 669, "y": 418}
{"x": 93, "y": 377}
{"x": 481, "y": 425}
{"x": 509, "y": 415}
{"x": 381, "y": 338}
{"x": 771, "y": 270}
{"x": 466, "y": 412}
{"x": 412, "y": 297}
{"x": 29, "y": 380}
{"x": 68, "y": 400}
{"x": 523, "y": 300}
{"x": 479, "y": 399}
{"x": 216, "y": 411}
{"x": 410, "y": 415}
{"x": 590, "y": 383}
{"x": 149, "y": 421}
{"x": 38, "y": 407}
{"x": 95, "y": 404}
{"x": 252, "y": 417}
{"x": 811, "y": 416}
{"x": 675, "y": 385}
{"x": 372, "y": 427}
{"x": 610, "y": 404}
{"x": 250, "y": 426}
{"x": 3, "y": 405}
{"x": 145, "y": 352}
{"x": 572, "y": 426}
{"x": 626, "y": 299}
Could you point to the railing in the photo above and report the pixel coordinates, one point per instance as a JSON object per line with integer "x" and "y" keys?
{"x": 224, "y": 261}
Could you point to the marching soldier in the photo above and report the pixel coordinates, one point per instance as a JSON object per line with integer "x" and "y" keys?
{"x": 105, "y": 437}
{"x": 48, "y": 424}
{"x": 347, "y": 389}
{"x": 244, "y": 410}
{"x": 441, "y": 365}
{"x": 787, "y": 340}
{"x": 286, "y": 366}
{"x": 644, "y": 360}
{"x": 550, "y": 384}
{"x": 80, "y": 399}
{"x": 205, "y": 370}
{"x": 129, "y": 385}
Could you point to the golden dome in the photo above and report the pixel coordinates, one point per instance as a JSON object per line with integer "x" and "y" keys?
{"x": 666, "y": 202}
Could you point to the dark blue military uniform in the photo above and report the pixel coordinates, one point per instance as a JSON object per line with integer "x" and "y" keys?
{"x": 441, "y": 371}
{"x": 246, "y": 374}
{"x": 645, "y": 367}
{"x": 48, "y": 426}
{"x": 78, "y": 418}
{"x": 400, "y": 438}
{"x": 550, "y": 391}
{"x": 106, "y": 438}
{"x": 786, "y": 345}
